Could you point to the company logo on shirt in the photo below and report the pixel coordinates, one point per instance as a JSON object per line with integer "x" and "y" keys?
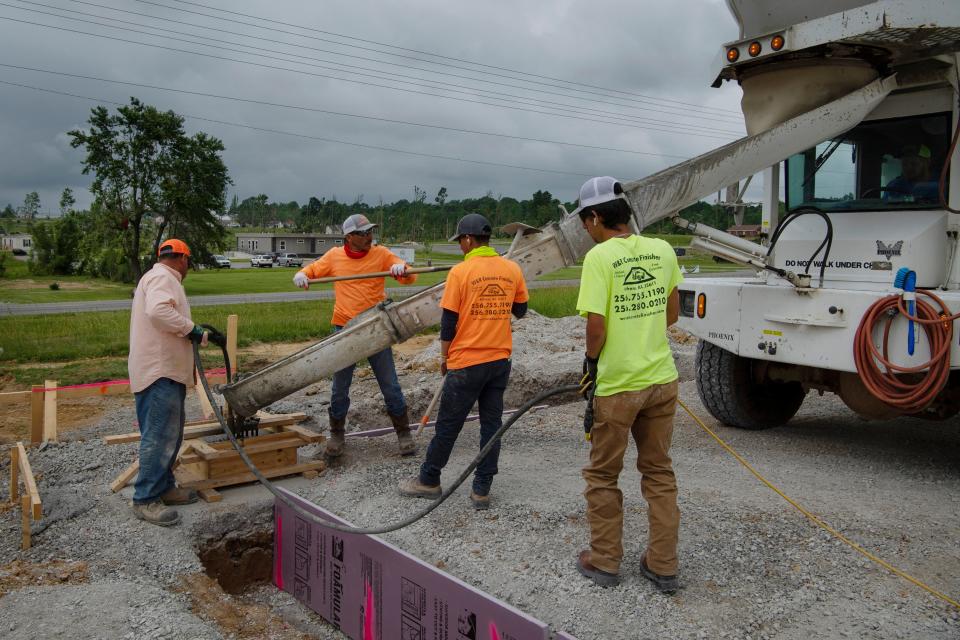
{"x": 638, "y": 275}
{"x": 493, "y": 291}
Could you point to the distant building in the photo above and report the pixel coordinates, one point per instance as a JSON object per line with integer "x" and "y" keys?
{"x": 17, "y": 242}
{"x": 304, "y": 244}
{"x": 745, "y": 230}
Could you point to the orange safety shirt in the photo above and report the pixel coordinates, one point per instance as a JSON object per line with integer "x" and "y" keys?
{"x": 355, "y": 296}
{"x": 482, "y": 290}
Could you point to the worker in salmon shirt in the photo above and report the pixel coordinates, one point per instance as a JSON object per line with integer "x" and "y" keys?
{"x": 359, "y": 255}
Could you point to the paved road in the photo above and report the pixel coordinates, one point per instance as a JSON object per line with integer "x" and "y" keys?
{"x": 11, "y": 309}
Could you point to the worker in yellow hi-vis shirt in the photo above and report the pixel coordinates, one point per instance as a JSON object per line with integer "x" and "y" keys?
{"x": 628, "y": 293}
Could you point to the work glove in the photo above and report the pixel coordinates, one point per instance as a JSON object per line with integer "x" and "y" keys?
{"x": 198, "y": 335}
{"x": 398, "y": 270}
{"x": 301, "y": 280}
{"x": 588, "y": 383}
{"x": 215, "y": 336}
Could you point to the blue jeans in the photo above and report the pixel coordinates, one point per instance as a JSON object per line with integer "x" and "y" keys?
{"x": 483, "y": 384}
{"x": 160, "y": 411}
{"x": 386, "y": 374}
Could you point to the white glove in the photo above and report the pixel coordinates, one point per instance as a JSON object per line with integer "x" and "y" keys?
{"x": 301, "y": 280}
{"x": 398, "y": 270}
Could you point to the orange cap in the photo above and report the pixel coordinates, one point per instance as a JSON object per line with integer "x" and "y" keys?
{"x": 173, "y": 246}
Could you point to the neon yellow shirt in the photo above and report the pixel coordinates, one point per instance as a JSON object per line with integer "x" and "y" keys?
{"x": 628, "y": 281}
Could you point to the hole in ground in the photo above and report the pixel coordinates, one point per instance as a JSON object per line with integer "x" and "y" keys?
{"x": 240, "y": 558}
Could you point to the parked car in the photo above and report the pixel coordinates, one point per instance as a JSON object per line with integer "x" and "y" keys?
{"x": 289, "y": 260}
{"x": 221, "y": 262}
{"x": 261, "y": 260}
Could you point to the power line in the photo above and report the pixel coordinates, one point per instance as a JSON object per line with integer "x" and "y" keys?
{"x": 320, "y": 75}
{"x": 310, "y": 137}
{"x": 336, "y": 113}
{"x": 383, "y": 44}
{"x": 719, "y": 117}
{"x": 494, "y": 95}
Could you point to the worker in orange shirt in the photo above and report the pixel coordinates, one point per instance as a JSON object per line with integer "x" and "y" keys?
{"x": 359, "y": 255}
{"x": 476, "y": 341}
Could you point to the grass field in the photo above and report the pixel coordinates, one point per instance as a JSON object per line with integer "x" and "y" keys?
{"x": 91, "y": 347}
{"x": 18, "y": 286}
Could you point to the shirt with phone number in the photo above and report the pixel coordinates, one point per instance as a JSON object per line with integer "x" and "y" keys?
{"x": 628, "y": 281}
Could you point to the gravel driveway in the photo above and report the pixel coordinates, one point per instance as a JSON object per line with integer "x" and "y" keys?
{"x": 751, "y": 566}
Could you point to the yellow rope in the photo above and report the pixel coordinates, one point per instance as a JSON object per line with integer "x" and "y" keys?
{"x": 820, "y": 523}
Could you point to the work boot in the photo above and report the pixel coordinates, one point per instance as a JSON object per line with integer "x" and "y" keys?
{"x": 665, "y": 584}
{"x": 179, "y": 495}
{"x": 413, "y": 488}
{"x": 156, "y": 513}
{"x": 480, "y": 503}
{"x": 401, "y": 424}
{"x": 600, "y": 578}
{"x": 335, "y": 442}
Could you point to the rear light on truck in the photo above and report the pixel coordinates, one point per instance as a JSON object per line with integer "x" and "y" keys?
{"x": 777, "y": 42}
{"x": 754, "y": 49}
{"x": 701, "y": 305}
{"x": 733, "y": 54}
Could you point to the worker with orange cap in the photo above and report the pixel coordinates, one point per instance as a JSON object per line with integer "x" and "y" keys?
{"x": 161, "y": 366}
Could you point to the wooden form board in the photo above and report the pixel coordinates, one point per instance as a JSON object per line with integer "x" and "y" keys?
{"x": 30, "y": 504}
{"x": 206, "y": 466}
{"x": 204, "y": 428}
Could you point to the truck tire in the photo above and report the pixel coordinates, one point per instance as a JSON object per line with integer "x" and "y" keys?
{"x": 729, "y": 392}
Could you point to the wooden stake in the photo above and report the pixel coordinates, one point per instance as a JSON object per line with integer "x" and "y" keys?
{"x": 36, "y": 414}
{"x": 25, "y": 522}
{"x": 433, "y": 402}
{"x": 29, "y": 483}
{"x": 125, "y": 476}
{"x": 232, "y": 342}
{"x": 14, "y": 479}
{"x": 50, "y": 411}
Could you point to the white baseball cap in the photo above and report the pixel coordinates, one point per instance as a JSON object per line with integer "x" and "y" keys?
{"x": 597, "y": 191}
{"x": 356, "y": 222}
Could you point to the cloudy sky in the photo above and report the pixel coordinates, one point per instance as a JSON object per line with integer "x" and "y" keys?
{"x": 496, "y": 83}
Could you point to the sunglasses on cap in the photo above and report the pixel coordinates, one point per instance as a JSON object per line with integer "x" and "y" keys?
{"x": 368, "y": 232}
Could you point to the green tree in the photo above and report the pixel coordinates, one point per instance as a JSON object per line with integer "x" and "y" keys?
{"x": 145, "y": 165}
{"x": 31, "y": 206}
{"x": 8, "y": 212}
{"x": 191, "y": 195}
{"x": 56, "y": 246}
{"x": 67, "y": 201}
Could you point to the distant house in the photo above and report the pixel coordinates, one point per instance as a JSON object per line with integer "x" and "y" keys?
{"x": 745, "y": 230}
{"x": 17, "y": 242}
{"x": 311, "y": 245}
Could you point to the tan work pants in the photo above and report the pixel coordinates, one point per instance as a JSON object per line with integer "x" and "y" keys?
{"x": 648, "y": 415}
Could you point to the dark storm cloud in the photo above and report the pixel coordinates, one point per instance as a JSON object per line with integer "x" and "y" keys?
{"x": 657, "y": 49}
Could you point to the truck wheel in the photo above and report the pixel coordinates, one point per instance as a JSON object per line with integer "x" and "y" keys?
{"x": 731, "y": 394}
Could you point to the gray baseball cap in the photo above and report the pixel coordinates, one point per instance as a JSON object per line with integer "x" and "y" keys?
{"x": 357, "y": 222}
{"x": 472, "y": 224}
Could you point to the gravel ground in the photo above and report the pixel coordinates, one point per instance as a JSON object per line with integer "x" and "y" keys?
{"x": 751, "y": 566}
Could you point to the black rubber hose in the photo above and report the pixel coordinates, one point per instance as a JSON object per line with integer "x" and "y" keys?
{"x": 300, "y": 511}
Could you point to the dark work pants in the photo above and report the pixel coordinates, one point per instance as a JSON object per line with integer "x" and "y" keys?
{"x": 483, "y": 384}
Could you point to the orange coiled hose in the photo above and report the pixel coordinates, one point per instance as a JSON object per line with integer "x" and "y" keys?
{"x": 886, "y": 380}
